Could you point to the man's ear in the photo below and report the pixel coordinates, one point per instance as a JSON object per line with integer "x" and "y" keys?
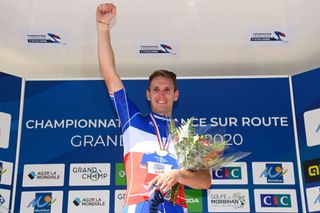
{"x": 148, "y": 95}
{"x": 176, "y": 95}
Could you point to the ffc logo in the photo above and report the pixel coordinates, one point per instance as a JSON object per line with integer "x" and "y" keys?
{"x": 275, "y": 200}
{"x": 42, "y": 202}
{"x": 312, "y": 170}
{"x": 227, "y": 173}
{"x": 274, "y": 173}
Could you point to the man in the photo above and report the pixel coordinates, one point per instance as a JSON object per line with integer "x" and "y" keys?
{"x": 149, "y": 157}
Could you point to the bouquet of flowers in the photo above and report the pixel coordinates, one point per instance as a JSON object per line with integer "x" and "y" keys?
{"x": 197, "y": 152}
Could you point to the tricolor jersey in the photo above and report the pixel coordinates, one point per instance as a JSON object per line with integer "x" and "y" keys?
{"x": 147, "y": 151}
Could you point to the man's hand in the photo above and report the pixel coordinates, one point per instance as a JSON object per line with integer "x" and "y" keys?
{"x": 166, "y": 181}
{"x": 105, "y": 12}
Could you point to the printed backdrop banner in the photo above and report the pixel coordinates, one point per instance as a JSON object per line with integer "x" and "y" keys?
{"x": 71, "y": 146}
{"x": 306, "y": 89}
{"x": 10, "y": 95}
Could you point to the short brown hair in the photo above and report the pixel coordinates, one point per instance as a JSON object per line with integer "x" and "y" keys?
{"x": 164, "y": 73}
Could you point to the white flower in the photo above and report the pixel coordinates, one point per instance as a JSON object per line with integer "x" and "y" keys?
{"x": 184, "y": 130}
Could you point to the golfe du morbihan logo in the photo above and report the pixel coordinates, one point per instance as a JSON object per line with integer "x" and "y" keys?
{"x": 275, "y": 200}
{"x": 273, "y": 173}
{"x": 97, "y": 174}
{"x": 311, "y": 170}
{"x": 88, "y": 201}
{"x": 5, "y": 122}
{"x": 228, "y": 200}
{"x": 37, "y": 175}
{"x": 312, "y": 127}
{"x": 313, "y": 199}
{"x": 233, "y": 173}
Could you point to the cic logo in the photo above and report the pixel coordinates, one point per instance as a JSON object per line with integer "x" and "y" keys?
{"x": 312, "y": 170}
{"x": 275, "y": 200}
{"x": 227, "y": 173}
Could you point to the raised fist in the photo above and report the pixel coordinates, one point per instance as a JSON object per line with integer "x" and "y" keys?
{"x": 105, "y": 12}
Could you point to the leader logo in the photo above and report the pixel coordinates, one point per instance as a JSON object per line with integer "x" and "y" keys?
{"x": 313, "y": 199}
{"x": 273, "y": 173}
{"x": 5, "y": 122}
{"x": 235, "y": 173}
{"x": 312, "y": 170}
{"x": 312, "y": 127}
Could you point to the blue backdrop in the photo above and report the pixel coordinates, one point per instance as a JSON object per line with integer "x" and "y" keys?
{"x": 71, "y": 152}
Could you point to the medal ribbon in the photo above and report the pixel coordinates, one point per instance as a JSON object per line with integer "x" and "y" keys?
{"x": 162, "y": 145}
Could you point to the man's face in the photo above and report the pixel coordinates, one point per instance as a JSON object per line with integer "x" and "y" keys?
{"x": 161, "y": 95}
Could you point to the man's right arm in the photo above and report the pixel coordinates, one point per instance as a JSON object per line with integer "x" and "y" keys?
{"x": 104, "y": 15}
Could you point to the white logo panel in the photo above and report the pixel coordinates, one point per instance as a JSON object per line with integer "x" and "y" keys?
{"x": 6, "y": 171}
{"x": 4, "y": 200}
{"x": 279, "y": 173}
{"x": 5, "y": 122}
{"x": 119, "y": 197}
{"x": 313, "y": 199}
{"x": 228, "y": 200}
{"x": 97, "y": 174}
{"x": 41, "y": 201}
{"x": 37, "y": 175}
{"x": 312, "y": 127}
{"x": 89, "y": 201}
{"x": 233, "y": 173}
{"x": 275, "y": 200}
